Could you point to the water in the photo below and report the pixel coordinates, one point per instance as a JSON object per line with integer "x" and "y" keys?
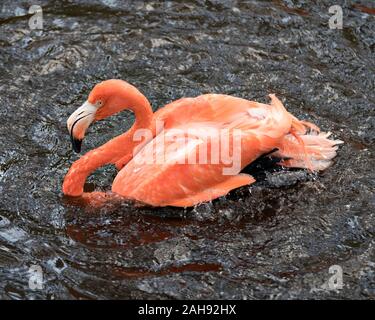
{"x": 275, "y": 239}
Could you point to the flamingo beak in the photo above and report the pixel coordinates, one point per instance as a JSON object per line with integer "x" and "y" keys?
{"x": 78, "y": 122}
{"x": 76, "y": 144}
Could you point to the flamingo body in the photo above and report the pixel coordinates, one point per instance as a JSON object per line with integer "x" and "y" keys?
{"x": 178, "y": 183}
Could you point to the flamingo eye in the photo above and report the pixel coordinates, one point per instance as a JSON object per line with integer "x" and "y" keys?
{"x": 99, "y": 103}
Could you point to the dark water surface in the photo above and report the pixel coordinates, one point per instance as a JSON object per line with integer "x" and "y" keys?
{"x": 275, "y": 239}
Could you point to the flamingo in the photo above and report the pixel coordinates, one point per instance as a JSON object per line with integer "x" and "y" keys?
{"x": 259, "y": 129}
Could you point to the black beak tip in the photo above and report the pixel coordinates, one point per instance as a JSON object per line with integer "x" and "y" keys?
{"x": 76, "y": 144}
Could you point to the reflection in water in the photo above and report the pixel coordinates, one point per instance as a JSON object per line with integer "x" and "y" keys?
{"x": 135, "y": 231}
{"x": 190, "y": 267}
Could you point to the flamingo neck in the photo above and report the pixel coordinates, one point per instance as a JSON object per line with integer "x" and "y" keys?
{"x": 141, "y": 108}
{"x": 118, "y": 148}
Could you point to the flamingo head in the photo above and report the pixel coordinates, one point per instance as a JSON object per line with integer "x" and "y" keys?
{"x": 105, "y": 99}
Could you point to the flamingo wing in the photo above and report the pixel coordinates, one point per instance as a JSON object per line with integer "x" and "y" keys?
{"x": 162, "y": 173}
{"x": 219, "y": 108}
